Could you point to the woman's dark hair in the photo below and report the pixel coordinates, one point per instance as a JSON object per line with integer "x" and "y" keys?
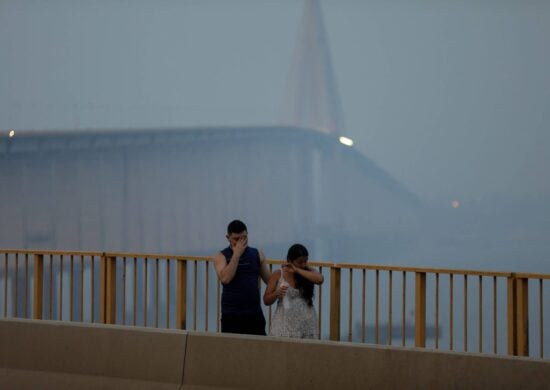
{"x": 302, "y": 284}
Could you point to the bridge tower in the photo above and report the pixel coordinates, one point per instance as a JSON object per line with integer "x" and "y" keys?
{"x": 311, "y": 97}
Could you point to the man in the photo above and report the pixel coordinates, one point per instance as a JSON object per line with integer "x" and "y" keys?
{"x": 238, "y": 267}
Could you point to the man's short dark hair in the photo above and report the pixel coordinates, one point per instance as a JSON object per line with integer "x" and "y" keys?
{"x": 236, "y": 227}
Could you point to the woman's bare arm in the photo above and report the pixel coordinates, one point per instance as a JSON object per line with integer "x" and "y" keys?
{"x": 272, "y": 293}
{"x": 308, "y": 273}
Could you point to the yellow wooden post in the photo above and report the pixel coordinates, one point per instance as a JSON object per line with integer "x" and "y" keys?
{"x": 511, "y": 315}
{"x": 335, "y": 303}
{"x": 181, "y": 291}
{"x": 420, "y": 310}
{"x": 522, "y": 317}
{"x": 110, "y": 292}
{"x": 102, "y": 288}
{"x": 38, "y": 286}
{"x": 107, "y": 290}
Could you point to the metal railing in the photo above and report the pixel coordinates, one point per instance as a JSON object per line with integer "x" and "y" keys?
{"x": 475, "y": 311}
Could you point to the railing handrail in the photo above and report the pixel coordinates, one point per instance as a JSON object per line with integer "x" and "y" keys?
{"x": 517, "y": 292}
{"x": 326, "y": 264}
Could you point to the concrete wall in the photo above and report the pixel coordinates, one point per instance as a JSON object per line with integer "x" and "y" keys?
{"x": 48, "y": 355}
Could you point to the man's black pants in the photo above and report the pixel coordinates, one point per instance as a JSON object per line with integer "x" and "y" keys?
{"x": 244, "y": 324}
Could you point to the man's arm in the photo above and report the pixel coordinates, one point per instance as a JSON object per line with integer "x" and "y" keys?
{"x": 265, "y": 273}
{"x": 225, "y": 271}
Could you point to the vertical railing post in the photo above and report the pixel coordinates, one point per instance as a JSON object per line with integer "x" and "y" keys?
{"x": 335, "y": 303}
{"x": 511, "y": 314}
{"x": 110, "y": 292}
{"x": 420, "y": 310}
{"x": 102, "y": 288}
{"x": 107, "y": 291}
{"x": 518, "y": 316}
{"x": 522, "y": 316}
{"x": 181, "y": 294}
{"x": 38, "y": 283}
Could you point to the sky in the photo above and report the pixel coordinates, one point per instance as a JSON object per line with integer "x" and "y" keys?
{"x": 451, "y": 98}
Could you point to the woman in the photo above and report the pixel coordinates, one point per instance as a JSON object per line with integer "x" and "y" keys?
{"x": 292, "y": 287}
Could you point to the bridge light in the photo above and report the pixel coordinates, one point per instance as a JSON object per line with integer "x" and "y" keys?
{"x": 346, "y": 141}
{"x": 11, "y": 134}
